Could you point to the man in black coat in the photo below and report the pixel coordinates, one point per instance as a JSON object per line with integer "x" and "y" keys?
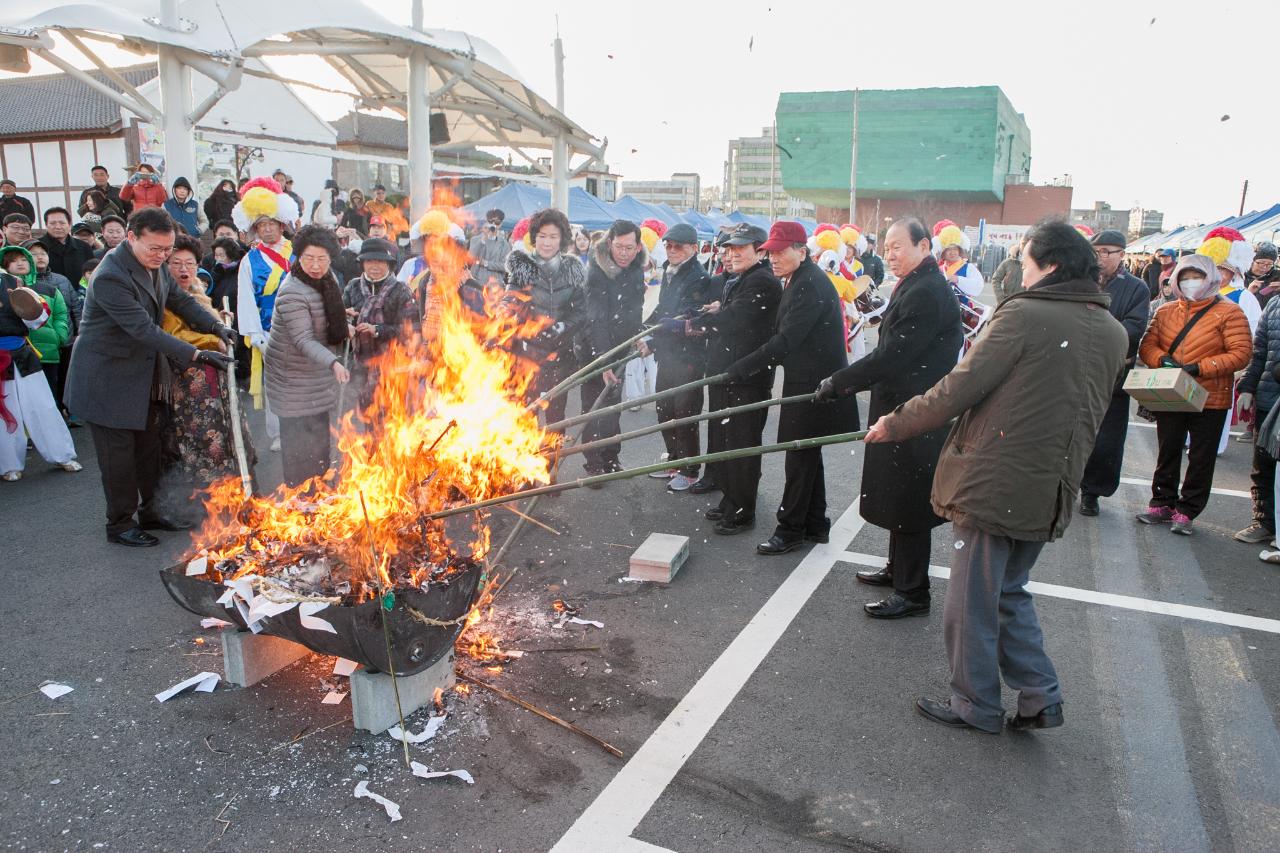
{"x": 11, "y": 202}
{"x": 102, "y": 182}
{"x": 681, "y": 352}
{"x": 615, "y": 303}
{"x": 871, "y": 263}
{"x": 1131, "y": 305}
{"x": 66, "y": 254}
{"x": 741, "y": 323}
{"x": 919, "y": 338}
{"x": 119, "y": 367}
{"x": 808, "y": 341}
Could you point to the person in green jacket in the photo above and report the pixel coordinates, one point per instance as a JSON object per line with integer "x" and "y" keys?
{"x": 49, "y": 339}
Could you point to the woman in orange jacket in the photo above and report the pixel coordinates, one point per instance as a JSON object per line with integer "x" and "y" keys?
{"x": 1216, "y": 345}
{"x": 144, "y": 189}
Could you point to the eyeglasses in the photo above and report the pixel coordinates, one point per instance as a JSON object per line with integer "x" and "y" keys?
{"x": 1106, "y": 253}
{"x": 183, "y": 265}
{"x": 313, "y": 260}
{"x": 155, "y": 250}
{"x": 625, "y": 250}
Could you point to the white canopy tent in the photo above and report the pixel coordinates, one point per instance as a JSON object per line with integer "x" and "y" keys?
{"x": 412, "y": 70}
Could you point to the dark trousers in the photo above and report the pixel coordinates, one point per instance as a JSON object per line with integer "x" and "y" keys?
{"x": 550, "y": 374}
{"x": 604, "y": 426}
{"x": 129, "y": 460}
{"x": 1102, "y": 471}
{"x": 804, "y": 496}
{"x": 53, "y": 375}
{"x": 1172, "y": 429}
{"x": 909, "y": 563}
{"x": 1262, "y": 487}
{"x": 304, "y": 448}
{"x": 738, "y": 479}
{"x": 63, "y": 366}
{"x": 682, "y": 442}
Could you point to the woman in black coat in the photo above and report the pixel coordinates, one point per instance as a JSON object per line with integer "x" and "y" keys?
{"x": 219, "y": 204}
{"x": 919, "y": 337}
{"x": 808, "y": 342}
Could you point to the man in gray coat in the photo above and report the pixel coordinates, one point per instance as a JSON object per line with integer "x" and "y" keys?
{"x": 120, "y": 366}
{"x": 1028, "y": 397}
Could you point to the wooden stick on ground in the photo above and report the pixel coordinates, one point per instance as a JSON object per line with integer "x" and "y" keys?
{"x": 533, "y": 709}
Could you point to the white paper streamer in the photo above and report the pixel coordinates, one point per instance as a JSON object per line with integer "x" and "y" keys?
{"x": 393, "y": 810}
{"x": 433, "y": 726}
{"x": 423, "y": 773}
{"x": 205, "y": 682}
{"x": 306, "y": 615}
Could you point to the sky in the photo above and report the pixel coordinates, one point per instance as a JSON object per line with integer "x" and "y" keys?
{"x": 1128, "y": 98}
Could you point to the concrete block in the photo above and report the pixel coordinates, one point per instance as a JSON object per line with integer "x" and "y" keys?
{"x": 247, "y": 658}
{"x": 659, "y": 557}
{"x": 373, "y": 698}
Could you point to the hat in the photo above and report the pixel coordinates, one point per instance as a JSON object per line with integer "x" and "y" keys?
{"x": 681, "y": 232}
{"x": 947, "y": 234}
{"x": 1266, "y": 252}
{"x": 376, "y": 220}
{"x": 377, "y": 249}
{"x": 744, "y": 233}
{"x": 1168, "y": 253}
{"x": 8, "y": 181}
{"x": 1227, "y": 247}
{"x": 784, "y": 234}
{"x": 871, "y": 238}
{"x": 182, "y": 182}
{"x": 83, "y": 226}
{"x": 263, "y": 198}
{"x": 1109, "y": 237}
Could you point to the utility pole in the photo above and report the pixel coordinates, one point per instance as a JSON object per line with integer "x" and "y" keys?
{"x": 853, "y": 164}
{"x": 773, "y": 169}
{"x": 1244, "y": 192}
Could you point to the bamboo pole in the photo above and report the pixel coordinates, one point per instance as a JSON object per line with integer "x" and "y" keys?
{"x": 584, "y": 373}
{"x": 546, "y": 715}
{"x": 233, "y": 401}
{"x": 722, "y": 456}
{"x": 679, "y": 422}
{"x": 638, "y": 401}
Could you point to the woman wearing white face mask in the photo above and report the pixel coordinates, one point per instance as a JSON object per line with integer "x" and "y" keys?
{"x": 1207, "y": 336}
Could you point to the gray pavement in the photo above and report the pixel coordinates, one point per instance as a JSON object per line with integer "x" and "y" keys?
{"x": 1171, "y": 740}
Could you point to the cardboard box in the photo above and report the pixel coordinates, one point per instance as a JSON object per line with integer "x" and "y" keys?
{"x": 659, "y": 557}
{"x": 1166, "y": 389}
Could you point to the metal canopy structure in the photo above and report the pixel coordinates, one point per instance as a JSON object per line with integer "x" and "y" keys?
{"x": 414, "y": 71}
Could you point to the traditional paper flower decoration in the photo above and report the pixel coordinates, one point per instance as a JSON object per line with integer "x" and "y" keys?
{"x": 1227, "y": 247}
{"x": 263, "y": 198}
{"x": 651, "y": 231}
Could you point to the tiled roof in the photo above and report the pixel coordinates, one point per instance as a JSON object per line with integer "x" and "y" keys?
{"x": 378, "y": 131}
{"x": 59, "y": 103}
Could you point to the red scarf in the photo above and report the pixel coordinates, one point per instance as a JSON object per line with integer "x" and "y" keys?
{"x": 10, "y": 422}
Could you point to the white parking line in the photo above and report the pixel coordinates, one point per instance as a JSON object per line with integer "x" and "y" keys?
{"x": 608, "y": 822}
{"x": 1125, "y": 602}
{"x": 1231, "y": 493}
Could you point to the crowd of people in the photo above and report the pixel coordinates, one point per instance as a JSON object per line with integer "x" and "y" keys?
{"x": 143, "y": 317}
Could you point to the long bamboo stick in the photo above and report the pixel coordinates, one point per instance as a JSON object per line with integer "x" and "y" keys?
{"x": 596, "y": 366}
{"x": 233, "y": 402}
{"x": 639, "y": 401}
{"x": 546, "y": 715}
{"x": 679, "y": 422}
{"x": 722, "y": 456}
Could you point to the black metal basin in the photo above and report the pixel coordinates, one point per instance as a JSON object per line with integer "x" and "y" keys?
{"x": 414, "y": 644}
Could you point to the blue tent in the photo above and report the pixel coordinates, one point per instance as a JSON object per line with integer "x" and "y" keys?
{"x": 630, "y": 207}
{"x": 588, "y": 211}
{"x": 515, "y": 200}
{"x": 739, "y": 216}
{"x": 668, "y": 210}
{"x": 705, "y": 227}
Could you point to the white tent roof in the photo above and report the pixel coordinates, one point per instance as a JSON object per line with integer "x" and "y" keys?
{"x": 483, "y": 97}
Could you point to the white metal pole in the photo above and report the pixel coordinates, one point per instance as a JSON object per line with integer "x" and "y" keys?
{"x": 175, "y": 104}
{"x": 560, "y": 148}
{"x": 419, "y": 123}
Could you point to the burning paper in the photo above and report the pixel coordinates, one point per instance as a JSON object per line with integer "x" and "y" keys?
{"x": 577, "y": 621}
{"x": 393, "y": 810}
{"x": 433, "y": 726}
{"x": 215, "y": 623}
{"x": 423, "y": 773}
{"x": 198, "y": 566}
{"x": 306, "y": 615}
{"x": 205, "y": 682}
{"x": 54, "y": 690}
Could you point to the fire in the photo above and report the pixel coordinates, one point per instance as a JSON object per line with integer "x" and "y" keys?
{"x": 447, "y": 423}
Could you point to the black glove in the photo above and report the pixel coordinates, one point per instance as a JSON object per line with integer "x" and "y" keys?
{"x": 228, "y": 335}
{"x": 826, "y": 391}
{"x": 738, "y": 372}
{"x": 1193, "y": 369}
{"x": 217, "y": 359}
{"x": 1167, "y": 361}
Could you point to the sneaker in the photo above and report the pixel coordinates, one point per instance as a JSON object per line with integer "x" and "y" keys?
{"x": 1253, "y": 534}
{"x": 72, "y": 466}
{"x": 1246, "y": 437}
{"x": 680, "y": 483}
{"x": 1270, "y": 557}
{"x": 275, "y": 445}
{"x": 11, "y": 476}
{"x": 1156, "y": 515}
{"x": 1181, "y": 524}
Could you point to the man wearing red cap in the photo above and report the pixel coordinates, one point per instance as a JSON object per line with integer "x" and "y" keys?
{"x": 808, "y": 341}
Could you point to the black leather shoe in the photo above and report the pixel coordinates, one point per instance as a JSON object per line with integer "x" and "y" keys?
{"x": 818, "y": 538}
{"x": 778, "y": 545}
{"x": 896, "y": 607}
{"x": 162, "y": 523}
{"x": 939, "y": 711}
{"x": 1049, "y": 718}
{"x": 880, "y": 577}
{"x": 134, "y": 537}
{"x": 704, "y": 487}
{"x": 734, "y": 525}
{"x": 713, "y": 514}
{"x": 1088, "y": 504}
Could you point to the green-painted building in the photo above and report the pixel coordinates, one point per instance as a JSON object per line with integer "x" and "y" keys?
{"x": 959, "y": 144}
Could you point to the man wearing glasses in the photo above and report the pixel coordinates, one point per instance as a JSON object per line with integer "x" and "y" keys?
{"x": 1263, "y": 279}
{"x": 120, "y": 366}
{"x": 1131, "y": 305}
{"x": 490, "y": 248}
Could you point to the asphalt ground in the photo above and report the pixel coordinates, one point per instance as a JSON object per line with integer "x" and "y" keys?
{"x": 756, "y": 706}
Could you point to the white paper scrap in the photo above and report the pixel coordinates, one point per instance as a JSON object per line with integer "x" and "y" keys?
{"x": 333, "y": 698}
{"x": 264, "y": 608}
{"x": 214, "y": 623}
{"x": 423, "y": 773}
{"x": 198, "y": 566}
{"x": 53, "y": 690}
{"x": 433, "y": 726}
{"x": 306, "y": 615}
{"x": 393, "y": 810}
{"x": 342, "y": 666}
{"x": 203, "y": 683}
{"x": 576, "y": 621}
